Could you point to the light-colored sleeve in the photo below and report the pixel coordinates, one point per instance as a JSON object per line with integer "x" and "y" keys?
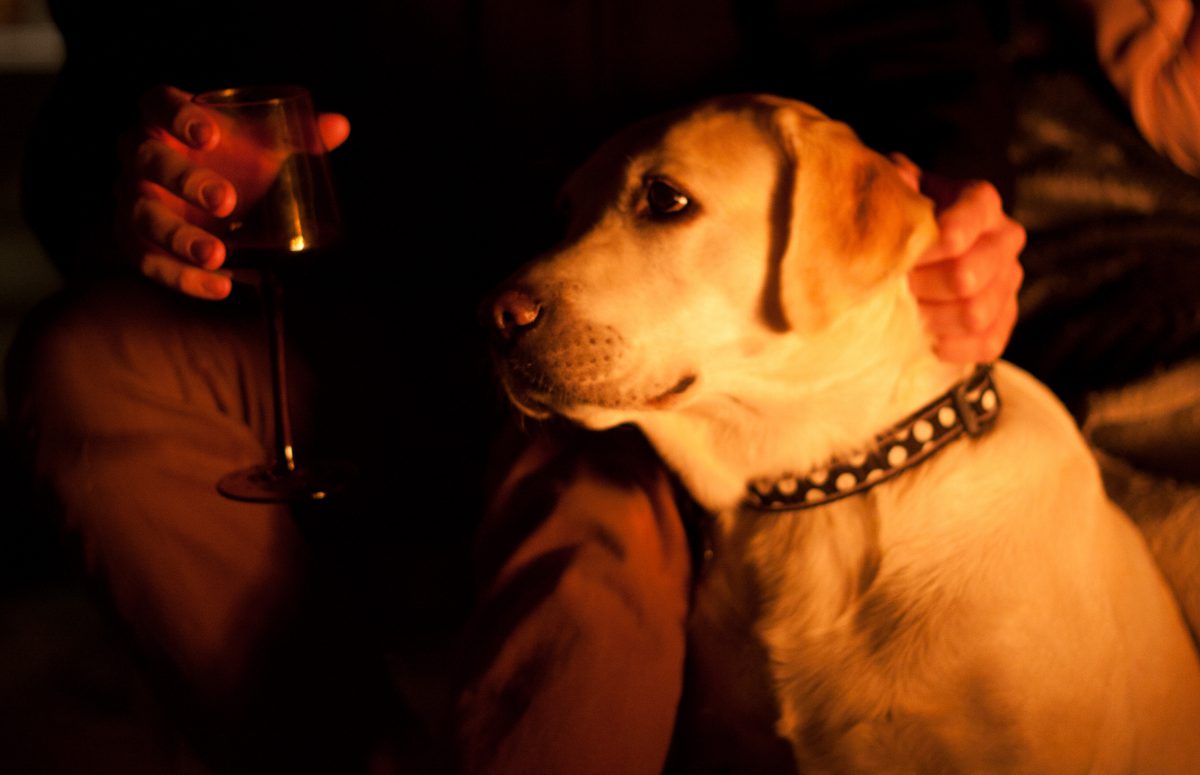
{"x": 1140, "y": 44}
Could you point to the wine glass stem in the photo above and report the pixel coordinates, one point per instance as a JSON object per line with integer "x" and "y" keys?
{"x": 273, "y": 298}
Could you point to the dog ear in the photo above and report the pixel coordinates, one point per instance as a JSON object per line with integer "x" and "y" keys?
{"x": 853, "y": 221}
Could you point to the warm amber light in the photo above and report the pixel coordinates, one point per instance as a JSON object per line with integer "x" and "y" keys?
{"x": 297, "y": 244}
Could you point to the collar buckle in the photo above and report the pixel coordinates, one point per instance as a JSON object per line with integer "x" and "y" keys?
{"x": 966, "y": 411}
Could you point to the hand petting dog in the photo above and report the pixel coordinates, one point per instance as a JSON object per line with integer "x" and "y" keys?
{"x": 896, "y": 577}
{"x": 966, "y": 285}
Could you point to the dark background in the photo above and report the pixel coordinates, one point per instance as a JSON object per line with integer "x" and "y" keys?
{"x": 511, "y": 109}
{"x": 67, "y": 689}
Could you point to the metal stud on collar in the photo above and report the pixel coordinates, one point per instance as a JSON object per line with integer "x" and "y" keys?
{"x": 969, "y": 408}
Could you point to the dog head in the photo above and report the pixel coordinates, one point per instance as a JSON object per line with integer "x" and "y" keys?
{"x": 698, "y": 241}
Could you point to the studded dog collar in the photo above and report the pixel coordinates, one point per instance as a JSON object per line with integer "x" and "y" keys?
{"x": 969, "y": 408}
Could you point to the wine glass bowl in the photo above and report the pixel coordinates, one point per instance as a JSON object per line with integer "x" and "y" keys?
{"x": 270, "y": 149}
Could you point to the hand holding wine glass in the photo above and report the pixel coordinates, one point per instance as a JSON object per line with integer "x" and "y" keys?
{"x": 256, "y": 161}
{"x": 271, "y": 151}
{"x": 174, "y": 202}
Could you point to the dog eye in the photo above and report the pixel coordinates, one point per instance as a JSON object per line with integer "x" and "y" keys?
{"x": 664, "y": 199}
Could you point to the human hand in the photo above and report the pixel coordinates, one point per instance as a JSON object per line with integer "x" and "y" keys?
{"x": 170, "y": 204}
{"x": 966, "y": 284}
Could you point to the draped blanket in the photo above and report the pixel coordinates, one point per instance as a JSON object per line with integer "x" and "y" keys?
{"x": 1110, "y": 312}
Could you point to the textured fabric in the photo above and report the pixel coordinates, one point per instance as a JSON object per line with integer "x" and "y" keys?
{"x": 1110, "y": 288}
{"x": 1147, "y": 436}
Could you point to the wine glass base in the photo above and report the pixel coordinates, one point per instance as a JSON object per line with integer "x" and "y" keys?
{"x": 271, "y": 484}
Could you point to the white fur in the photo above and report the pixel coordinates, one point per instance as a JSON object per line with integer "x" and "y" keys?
{"x": 989, "y": 611}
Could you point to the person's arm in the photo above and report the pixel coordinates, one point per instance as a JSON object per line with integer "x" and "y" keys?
{"x": 1150, "y": 50}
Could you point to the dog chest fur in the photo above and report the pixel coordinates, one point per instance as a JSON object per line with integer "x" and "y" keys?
{"x": 902, "y": 630}
{"x": 987, "y": 611}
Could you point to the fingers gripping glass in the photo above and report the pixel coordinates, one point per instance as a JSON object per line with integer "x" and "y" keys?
{"x": 271, "y": 150}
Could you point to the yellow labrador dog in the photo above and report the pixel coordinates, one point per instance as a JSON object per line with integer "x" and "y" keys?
{"x": 913, "y": 565}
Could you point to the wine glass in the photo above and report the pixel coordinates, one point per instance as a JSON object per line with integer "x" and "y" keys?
{"x": 271, "y": 151}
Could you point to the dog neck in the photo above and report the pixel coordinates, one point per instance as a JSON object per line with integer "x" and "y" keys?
{"x": 825, "y": 395}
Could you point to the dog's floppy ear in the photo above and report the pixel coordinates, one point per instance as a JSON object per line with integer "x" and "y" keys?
{"x": 853, "y": 221}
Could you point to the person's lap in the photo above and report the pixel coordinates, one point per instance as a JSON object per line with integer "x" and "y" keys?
{"x": 132, "y": 402}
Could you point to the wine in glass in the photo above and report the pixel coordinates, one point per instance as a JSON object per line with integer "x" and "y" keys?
{"x": 271, "y": 151}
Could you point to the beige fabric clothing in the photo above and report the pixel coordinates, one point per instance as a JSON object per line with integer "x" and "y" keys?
{"x": 1140, "y": 46}
{"x": 131, "y": 402}
{"x": 135, "y": 403}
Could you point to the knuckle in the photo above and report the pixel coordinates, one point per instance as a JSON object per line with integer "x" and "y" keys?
{"x": 185, "y": 181}
{"x": 964, "y": 280}
{"x": 1018, "y": 277}
{"x": 149, "y": 267}
{"x": 141, "y": 215}
{"x": 1019, "y": 234}
{"x": 159, "y": 269}
{"x": 994, "y": 344}
{"x": 144, "y": 189}
{"x": 976, "y": 318}
{"x": 175, "y": 237}
{"x": 1014, "y": 236}
{"x": 997, "y": 339}
{"x": 147, "y": 158}
{"x": 954, "y": 351}
{"x": 986, "y": 194}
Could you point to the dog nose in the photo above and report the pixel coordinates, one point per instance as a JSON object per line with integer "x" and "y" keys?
{"x": 512, "y": 311}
